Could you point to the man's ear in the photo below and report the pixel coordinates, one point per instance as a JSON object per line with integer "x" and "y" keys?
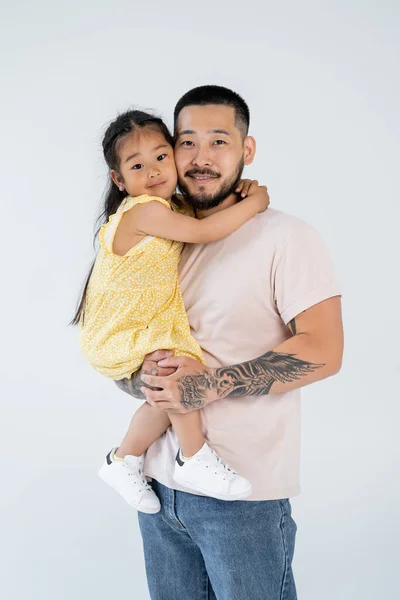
{"x": 249, "y": 146}
{"x": 117, "y": 179}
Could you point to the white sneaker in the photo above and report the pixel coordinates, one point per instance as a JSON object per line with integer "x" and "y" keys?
{"x": 207, "y": 473}
{"x": 127, "y": 478}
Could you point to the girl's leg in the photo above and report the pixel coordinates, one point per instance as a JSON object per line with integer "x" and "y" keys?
{"x": 189, "y": 432}
{"x": 126, "y": 476}
{"x": 147, "y": 425}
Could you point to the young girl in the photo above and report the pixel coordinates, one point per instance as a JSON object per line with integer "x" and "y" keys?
{"x": 132, "y": 304}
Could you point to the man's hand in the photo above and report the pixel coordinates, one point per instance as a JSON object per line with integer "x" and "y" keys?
{"x": 190, "y": 387}
{"x": 151, "y": 364}
{"x": 133, "y": 386}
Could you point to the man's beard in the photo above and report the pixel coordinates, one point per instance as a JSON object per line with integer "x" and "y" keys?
{"x": 204, "y": 201}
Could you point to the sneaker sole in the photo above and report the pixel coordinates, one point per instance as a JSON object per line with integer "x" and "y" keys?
{"x": 198, "y": 488}
{"x": 148, "y": 511}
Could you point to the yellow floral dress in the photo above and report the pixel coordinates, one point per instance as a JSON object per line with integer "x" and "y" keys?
{"x": 134, "y": 304}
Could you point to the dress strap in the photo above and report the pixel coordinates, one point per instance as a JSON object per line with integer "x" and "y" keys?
{"x": 130, "y": 201}
{"x": 108, "y": 230}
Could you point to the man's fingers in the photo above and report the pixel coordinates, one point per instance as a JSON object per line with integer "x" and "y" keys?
{"x": 158, "y": 400}
{"x": 154, "y": 381}
{"x": 164, "y": 372}
{"x": 152, "y": 368}
{"x": 173, "y": 363}
{"x": 164, "y": 406}
{"x": 155, "y": 396}
{"x": 150, "y": 363}
{"x": 158, "y": 355}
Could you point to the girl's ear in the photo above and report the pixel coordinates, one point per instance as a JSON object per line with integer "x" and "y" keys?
{"x": 117, "y": 179}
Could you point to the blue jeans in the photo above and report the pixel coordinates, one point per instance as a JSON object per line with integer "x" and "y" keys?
{"x": 200, "y": 548}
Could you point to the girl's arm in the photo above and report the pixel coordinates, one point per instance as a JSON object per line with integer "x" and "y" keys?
{"x": 153, "y": 218}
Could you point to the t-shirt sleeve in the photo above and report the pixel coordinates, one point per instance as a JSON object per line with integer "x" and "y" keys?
{"x": 304, "y": 274}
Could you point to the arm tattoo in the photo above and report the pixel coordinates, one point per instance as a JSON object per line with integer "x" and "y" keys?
{"x": 132, "y": 386}
{"x": 292, "y": 325}
{"x": 251, "y": 378}
{"x": 193, "y": 389}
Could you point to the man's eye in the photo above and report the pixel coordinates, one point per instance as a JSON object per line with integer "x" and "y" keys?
{"x": 187, "y": 143}
{"x": 161, "y": 157}
{"x": 138, "y": 166}
{"x": 219, "y": 142}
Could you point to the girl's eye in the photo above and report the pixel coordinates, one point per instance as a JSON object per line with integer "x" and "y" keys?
{"x": 138, "y": 166}
{"x": 161, "y": 157}
{"x": 219, "y": 142}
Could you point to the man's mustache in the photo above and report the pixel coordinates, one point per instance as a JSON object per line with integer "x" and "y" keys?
{"x": 209, "y": 172}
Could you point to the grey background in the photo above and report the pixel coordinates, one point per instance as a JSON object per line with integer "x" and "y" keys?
{"x": 321, "y": 79}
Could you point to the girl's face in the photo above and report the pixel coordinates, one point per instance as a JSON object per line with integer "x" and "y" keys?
{"x": 146, "y": 164}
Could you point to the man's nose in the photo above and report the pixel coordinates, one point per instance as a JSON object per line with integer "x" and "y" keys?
{"x": 202, "y": 157}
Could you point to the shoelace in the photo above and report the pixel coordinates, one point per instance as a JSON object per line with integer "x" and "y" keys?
{"x": 143, "y": 479}
{"x": 220, "y": 464}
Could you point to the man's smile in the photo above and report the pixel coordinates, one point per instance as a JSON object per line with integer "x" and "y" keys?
{"x": 202, "y": 177}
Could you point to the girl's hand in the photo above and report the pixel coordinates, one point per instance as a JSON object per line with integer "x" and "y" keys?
{"x": 250, "y": 187}
{"x": 245, "y": 185}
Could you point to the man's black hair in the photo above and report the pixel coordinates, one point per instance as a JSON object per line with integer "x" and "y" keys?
{"x": 216, "y": 94}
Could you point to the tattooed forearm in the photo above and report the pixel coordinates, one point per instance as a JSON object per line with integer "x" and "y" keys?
{"x": 251, "y": 378}
{"x": 255, "y": 377}
{"x": 132, "y": 386}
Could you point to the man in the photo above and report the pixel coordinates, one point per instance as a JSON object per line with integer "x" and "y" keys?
{"x": 265, "y": 307}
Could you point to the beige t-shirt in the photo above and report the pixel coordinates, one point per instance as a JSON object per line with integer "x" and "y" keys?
{"x": 240, "y": 293}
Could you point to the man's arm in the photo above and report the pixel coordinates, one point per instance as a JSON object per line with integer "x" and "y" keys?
{"x": 314, "y": 352}
{"x": 132, "y": 386}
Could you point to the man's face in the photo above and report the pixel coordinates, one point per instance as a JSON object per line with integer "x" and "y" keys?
{"x": 209, "y": 154}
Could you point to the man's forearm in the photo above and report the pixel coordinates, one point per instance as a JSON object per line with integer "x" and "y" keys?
{"x": 296, "y": 362}
{"x": 313, "y": 352}
{"x": 132, "y": 386}
{"x": 251, "y": 378}
{"x": 273, "y": 371}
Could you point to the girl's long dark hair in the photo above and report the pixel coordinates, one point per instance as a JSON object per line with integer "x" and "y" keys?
{"x": 122, "y": 126}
